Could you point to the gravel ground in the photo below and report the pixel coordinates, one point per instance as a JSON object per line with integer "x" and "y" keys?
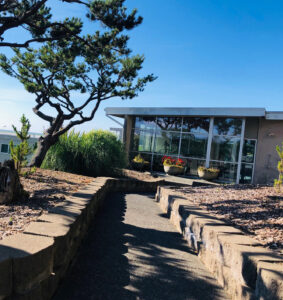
{"x": 133, "y": 253}
{"x": 257, "y": 210}
{"x": 47, "y": 189}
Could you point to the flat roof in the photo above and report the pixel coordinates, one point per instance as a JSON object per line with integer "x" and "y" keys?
{"x": 194, "y": 111}
{"x": 4, "y": 132}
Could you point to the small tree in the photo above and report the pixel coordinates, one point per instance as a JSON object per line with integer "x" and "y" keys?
{"x": 278, "y": 182}
{"x": 20, "y": 152}
{"x": 71, "y": 77}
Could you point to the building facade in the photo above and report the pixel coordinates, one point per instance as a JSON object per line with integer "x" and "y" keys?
{"x": 240, "y": 142}
{"x": 6, "y": 137}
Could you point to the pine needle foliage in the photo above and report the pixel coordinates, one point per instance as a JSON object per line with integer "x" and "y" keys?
{"x": 278, "y": 183}
{"x": 96, "y": 153}
{"x": 19, "y": 153}
{"x": 95, "y": 62}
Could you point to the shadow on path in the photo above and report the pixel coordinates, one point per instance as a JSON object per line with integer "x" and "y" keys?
{"x": 122, "y": 260}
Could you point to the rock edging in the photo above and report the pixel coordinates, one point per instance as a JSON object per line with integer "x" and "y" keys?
{"x": 241, "y": 265}
{"x": 32, "y": 263}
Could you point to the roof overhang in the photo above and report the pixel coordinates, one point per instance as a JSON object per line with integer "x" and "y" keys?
{"x": 274, "y": 115}
{"x": 185, "y": 111}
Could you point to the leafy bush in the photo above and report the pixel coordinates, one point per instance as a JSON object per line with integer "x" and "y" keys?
{"x": 278, "y": 183}
{"x": 95, "y": 153}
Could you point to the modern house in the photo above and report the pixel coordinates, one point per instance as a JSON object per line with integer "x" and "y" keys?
{"x": 5, "y": 138}
{"x": 240, "y": 142}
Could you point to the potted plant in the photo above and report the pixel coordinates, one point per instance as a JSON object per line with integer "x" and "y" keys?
{"x": 139, "y": 163}
{"x": 173, "y": 166}
{"x": 208, "y": 173}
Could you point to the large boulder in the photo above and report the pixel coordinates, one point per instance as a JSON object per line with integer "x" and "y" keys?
{"x": 10, "y": 186}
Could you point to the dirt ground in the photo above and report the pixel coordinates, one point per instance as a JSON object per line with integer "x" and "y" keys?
{"x": 47, "y": 189}
{"x": 256, "y": 210}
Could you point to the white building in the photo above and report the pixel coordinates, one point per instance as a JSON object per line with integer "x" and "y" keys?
{"x": 5, "y": 138}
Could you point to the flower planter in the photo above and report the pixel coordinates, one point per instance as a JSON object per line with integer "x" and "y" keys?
{"x": 207, "y": 175}
{"x": 173, "y": 170}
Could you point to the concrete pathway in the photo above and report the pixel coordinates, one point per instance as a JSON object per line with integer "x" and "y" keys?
{"x": 133, "y": 252}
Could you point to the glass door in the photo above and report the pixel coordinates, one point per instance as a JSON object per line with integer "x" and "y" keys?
{"x": 248, "y": 159}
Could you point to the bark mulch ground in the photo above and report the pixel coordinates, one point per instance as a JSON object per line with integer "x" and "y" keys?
{"x": 47, "y": 189}
{"x": 256, "y": 210}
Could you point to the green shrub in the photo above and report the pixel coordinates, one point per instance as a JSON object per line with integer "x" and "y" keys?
{"x": 95, "y": 153}
{"x": 278, "y": 183}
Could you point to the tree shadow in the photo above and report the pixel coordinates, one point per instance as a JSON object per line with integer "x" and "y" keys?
{"x": 103, "y": 271}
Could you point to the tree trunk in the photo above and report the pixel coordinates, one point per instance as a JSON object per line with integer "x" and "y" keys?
{"x": 10, "y": 186}
{"x": 43, "y": 145}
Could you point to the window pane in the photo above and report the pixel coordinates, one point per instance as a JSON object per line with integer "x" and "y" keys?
{"x": 194, "y": 145}
{"x": 246, "y": 173}
{"x": 167, "y": 142}
{"x": 227, "y": 126}
{"x": 228, "y": 172}
{"x": 192, "y": 166}
{"x": 142, "y": 140}
{"x": 4, "y": 148}
{"x": 145, "y": 123}
{"x": 196, "y": 125}
{"x": 225, "y": 148}
{"x": 248, "y": 151}
{"x": 169, "y": 123}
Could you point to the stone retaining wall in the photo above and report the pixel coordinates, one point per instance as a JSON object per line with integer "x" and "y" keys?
{"x": 32, "y": 263}
{"x": 243, "y": 267}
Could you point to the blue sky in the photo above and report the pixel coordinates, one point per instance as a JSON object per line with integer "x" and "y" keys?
{"x": 205, "y": 54}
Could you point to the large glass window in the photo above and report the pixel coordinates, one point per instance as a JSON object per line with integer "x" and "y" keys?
{"x": 168, "y": 123}
{"x": 167, "y": 142}
{"x": 142, "y": 140}
{"x": 145, "y": 123}
{"x": 196, "y": 125}
{"x": 188, "y": 137}
{"x": 228, "y": 171}
{"x": 225, "y": 148}
{"x": 192, "y": 166}
{"x": 227, "y": 126}
{"x": 193, "y": 145}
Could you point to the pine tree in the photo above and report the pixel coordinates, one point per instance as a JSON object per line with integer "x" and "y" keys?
{"x": 20, "y": 152}
{"x": 97, "y": 67}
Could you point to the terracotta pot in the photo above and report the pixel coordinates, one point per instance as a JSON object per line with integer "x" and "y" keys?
{"x": 204, "y": 174}
{"x": 173, "y": 170}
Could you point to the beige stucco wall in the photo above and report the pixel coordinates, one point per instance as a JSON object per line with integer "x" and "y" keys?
{"x": 270, "y": 134}
{"x": 251, "y": 129}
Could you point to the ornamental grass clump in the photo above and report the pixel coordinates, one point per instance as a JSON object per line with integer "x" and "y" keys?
{"x": 209, "y": 170}
{"x": 139, "y": 159}
{"x": 169, "y": 161}
{"x": 139, "y": 163}
{"x": 96, "y": 153}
